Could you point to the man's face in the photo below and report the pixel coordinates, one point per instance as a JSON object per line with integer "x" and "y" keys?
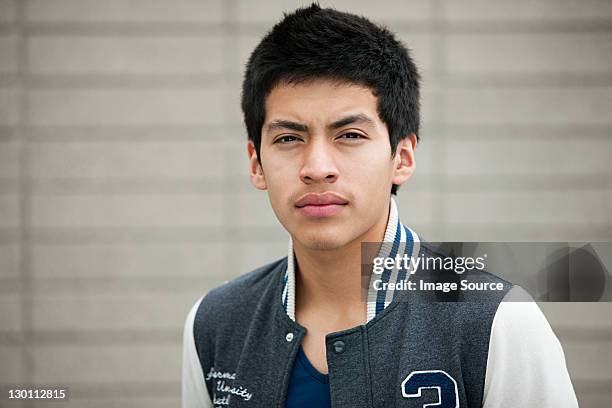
{"x": 326, "y": 162}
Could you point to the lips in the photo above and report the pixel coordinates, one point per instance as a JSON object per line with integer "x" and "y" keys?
{"x": 321, "y": 205}
{"x": 320, "y": 200}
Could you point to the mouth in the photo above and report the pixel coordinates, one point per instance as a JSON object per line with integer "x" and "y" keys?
{"x": 321, "y": 205}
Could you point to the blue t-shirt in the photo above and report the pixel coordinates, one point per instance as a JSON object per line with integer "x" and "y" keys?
{"x": 307, "y": 387}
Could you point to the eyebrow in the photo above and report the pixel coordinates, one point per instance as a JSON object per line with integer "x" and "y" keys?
{"x": 300, "y": 127}
{"x": 350, "y": 120}
{"x": 286, "y": 124}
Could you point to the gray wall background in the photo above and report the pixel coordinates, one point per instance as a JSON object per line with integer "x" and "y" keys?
{"x": 123, "y": 178}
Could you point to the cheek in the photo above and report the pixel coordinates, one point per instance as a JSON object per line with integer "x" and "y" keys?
{"x": 280, "y": 176}
{"x": 369, "y": 170}
{"x": 281, "y": 182}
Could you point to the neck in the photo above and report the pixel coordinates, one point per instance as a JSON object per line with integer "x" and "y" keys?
{"x": 331, "y": 279}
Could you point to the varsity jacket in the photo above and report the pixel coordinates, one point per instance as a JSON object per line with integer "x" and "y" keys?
{"x": 240, "y": 342}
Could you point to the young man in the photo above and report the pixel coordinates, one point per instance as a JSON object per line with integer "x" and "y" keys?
{"x": 331, "y": 105}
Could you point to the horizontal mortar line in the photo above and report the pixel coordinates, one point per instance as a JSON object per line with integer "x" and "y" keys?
{"x": 86, "y": 337}
{"x": 200, "y": 81}
{"x": 128, "y": 281}
{"x": 132, "y": 133}
{"x": 128, "y": 28}
{"x": 593, "y": 386}
{"x": 509, "y": 132}
{"x": 10, "y": 185}
{"x": 602, "y": 230}
{"x": 10, "y": 80}
{"x": 534, "y": 80}
{"x": 501, "y": 26}
{"x": 11, "y": 285}
{"x": 129, "y": 134}
{"x": 7, "y": 29}
{"x": 132, "y": 85}
{"x": 100, "y": 187}
{"x": 530, "y": 224}
{"x": 71, "y": 186}
{"x": 117, "y": 285}
{"x": 10, "y": 236}
{"x": 83, "y": 235}
{"x": 125, "y": 389}
{"x": 584, "y": 334}
{"x": 8, "y": 133}
{"x": 476, "y": 183}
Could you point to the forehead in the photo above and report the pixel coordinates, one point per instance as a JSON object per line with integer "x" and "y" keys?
{"x": 319, "y": 99}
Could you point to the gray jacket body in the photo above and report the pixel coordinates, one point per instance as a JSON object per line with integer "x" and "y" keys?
{"x": 415, "y": 352}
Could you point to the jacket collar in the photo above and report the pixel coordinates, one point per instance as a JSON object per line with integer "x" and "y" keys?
{"x": 398, "y": 240}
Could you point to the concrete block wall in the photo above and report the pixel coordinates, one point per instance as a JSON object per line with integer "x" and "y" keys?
{"x": 123, "y": 188}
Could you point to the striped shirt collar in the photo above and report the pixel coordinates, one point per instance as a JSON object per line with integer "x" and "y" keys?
{"x": 398, "y": 240}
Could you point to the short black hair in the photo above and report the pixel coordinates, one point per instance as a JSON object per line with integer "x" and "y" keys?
{"x": 312, "y": 43}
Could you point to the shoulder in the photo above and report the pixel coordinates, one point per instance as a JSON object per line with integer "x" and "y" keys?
{"x": 243, "y": 290}
{"x": 521, "y": 329}
{"x": 526, "y": 364}
{"x": 231, "y": 305}
{"x": 519, "y": 317}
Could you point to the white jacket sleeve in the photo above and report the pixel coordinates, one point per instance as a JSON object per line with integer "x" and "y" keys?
{"x": 194, "y": 391}
{"x": 526, "y": 365}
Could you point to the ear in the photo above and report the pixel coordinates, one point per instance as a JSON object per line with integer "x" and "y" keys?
{"x": 403, "y": 161}
{"x": 256, "y": 171}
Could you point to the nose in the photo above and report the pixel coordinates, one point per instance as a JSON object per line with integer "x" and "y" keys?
{"x": 318, "y": 165}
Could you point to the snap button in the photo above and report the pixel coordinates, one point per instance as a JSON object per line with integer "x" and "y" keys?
{"x": 289, "y": 337}
{"x": 339, "y": 346}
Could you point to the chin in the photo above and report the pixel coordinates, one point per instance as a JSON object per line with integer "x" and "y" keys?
{"x": 322, "y": 239}
{"x": 321, "y": 244}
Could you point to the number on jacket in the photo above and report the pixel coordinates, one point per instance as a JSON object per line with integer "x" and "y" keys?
{"x": 446, "y": 385}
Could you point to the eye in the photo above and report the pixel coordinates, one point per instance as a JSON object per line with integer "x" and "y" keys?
{"x": 286, "y": 139}
{"x": 352, "y": 136}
